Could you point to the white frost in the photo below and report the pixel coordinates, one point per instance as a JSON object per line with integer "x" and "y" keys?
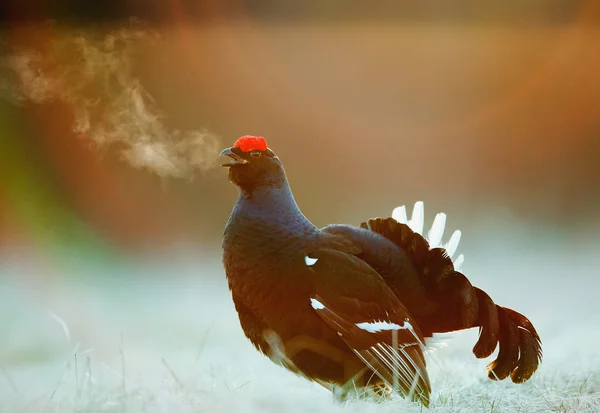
{"x": 63, "y": 324}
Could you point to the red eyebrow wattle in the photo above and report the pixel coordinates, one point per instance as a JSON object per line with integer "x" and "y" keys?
{"x": 249, "y": 143}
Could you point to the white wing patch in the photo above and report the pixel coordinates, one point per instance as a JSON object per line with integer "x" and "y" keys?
{"x": 435, "y": 234}
{"x": 377, "y": 326}
{"x": 317, "y": 305}
{"x": 310, "y": 261}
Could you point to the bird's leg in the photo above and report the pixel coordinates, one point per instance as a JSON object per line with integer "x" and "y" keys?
{"x": 354, "y": 372}
{"x": 340, "y": 393}
{"x": 379, "y": 390}
{"x": 363, "y": 382}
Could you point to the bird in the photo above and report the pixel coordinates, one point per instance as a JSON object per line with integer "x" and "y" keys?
{"x": 351, "y": 307}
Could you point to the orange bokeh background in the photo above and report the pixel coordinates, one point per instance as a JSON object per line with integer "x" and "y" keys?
{"x": 472, "y": 118}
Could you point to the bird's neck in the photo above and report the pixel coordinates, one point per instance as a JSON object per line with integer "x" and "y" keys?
{"x": 273, "y": 207}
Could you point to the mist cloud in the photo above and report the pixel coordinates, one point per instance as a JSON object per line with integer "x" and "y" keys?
{"x": 95, "y": 75}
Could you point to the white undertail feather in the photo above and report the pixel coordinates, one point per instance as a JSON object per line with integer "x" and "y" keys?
{"x": 399, "y": 214}
{"x": 459, "y": 262}
{"x": 418, "y": 216}
{"x": 435, "y": 234}
{"x": 451, "y": 246}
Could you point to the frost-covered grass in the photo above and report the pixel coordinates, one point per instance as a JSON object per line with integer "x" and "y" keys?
{"x": 170, "y": 342}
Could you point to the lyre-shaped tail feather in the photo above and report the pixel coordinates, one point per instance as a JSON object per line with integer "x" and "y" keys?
{"x": 461, "y": 305}
{"x": 446, "y": 286}
{"x": 520, "y": 347}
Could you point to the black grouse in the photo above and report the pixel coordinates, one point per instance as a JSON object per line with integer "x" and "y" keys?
{"x": 350, "y": 307}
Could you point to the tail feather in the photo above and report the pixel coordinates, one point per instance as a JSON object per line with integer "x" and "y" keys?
{"x": 452, "y": 245}
{"x": 489, "y": 325}
{"x": 435, "y": 234}
{"x": 508, "y": 355}
{"x": 435, "y": 264}
{"x": 461, "y": 305}
{"x": 399, "y": 214}
{"x": 458, "y": 263}
{"x": 437, "y": 270}
{"x": 418, "y": 218}
{"x": 530, "y": 347}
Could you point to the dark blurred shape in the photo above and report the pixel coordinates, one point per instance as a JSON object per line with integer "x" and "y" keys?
{"x": 431, "y": 11}
{"x": 66, "y": 10}
{"x": 486, "y": 112}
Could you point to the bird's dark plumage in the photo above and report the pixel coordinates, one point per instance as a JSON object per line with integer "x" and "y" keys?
{"x": 350, "y": 307}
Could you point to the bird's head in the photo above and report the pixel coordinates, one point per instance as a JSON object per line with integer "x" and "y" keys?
{"x": 253, "y": 164}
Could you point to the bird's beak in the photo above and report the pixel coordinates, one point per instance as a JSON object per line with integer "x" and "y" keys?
{"x": 237, "y": 160}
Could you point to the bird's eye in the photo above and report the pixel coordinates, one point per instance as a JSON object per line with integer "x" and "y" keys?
{"x": 255, "y": 154}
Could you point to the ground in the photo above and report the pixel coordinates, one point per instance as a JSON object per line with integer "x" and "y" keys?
{"x": 167, "y": 339}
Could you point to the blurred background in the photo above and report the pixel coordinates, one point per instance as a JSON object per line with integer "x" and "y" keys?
{"x": 112, "y": 115}
{"x": 468, "y": 107}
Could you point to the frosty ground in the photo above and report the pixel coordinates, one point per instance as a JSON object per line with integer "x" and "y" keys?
{"x": 167, "y": 339}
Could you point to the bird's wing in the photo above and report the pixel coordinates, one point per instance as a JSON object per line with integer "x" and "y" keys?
{"x": 391, "y": 261}
{"x": 355, "y": 301}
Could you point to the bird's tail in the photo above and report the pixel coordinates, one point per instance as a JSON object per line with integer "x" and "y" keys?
{"x": 439, "y": 273}
{"x": 461, "y": 305}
